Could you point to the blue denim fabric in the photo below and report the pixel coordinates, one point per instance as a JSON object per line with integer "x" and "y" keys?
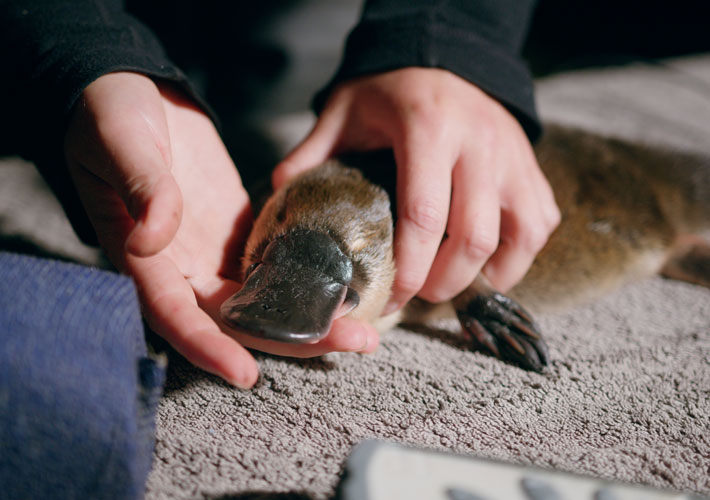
{"x": 78, "y": 392}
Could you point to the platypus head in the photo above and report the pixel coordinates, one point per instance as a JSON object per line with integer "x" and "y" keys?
{"x": 293, "y": 295}
{"x": 320, "y": 248}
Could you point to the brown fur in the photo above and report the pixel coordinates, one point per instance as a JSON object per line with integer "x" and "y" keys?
{"x": 624, "y": 207}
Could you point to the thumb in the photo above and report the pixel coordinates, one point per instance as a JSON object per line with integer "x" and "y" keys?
{"x": 317, "y": 147}
{"x": 119, "y": 133}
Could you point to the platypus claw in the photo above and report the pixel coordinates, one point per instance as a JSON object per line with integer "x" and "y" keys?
{"x": 500, "y": 325}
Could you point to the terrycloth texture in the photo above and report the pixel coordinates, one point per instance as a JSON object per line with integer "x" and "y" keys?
{"x": 78, "y": 393}
{"x": 627, "y": 396}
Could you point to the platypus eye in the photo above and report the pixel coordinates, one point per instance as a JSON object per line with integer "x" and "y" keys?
{"x": 251, "y": 269}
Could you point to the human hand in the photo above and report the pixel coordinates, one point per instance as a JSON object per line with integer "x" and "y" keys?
{"x": 169, "y": 209}
{"x": 466, "y": 173}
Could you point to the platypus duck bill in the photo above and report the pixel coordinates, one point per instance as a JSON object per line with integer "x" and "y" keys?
{"x": 296, "y": 291}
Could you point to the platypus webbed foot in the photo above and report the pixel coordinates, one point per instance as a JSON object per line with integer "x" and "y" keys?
{"x": 501, "y": 326}
{"x": 296, "y": 291}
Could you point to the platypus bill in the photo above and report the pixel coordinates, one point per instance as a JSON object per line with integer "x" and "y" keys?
{"x": 321, "y": 247}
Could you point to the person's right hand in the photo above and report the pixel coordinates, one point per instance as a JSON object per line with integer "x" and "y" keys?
{"x": 169, "y": 209}
{"x": 471, "y": 197}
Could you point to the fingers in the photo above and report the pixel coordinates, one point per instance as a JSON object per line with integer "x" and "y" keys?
{"x": 473, "y": 233}
{"x": 423, "y": 196}
{"x": 171, "y": 310}
{"x": 500, "y": 223}
{"x": 349, "y": 335}
{"x": 527, "y": 220}
{"x": 501, "y": 213}
{"x": 119, "y": 133}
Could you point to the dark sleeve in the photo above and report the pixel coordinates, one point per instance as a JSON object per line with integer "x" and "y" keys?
{"x": 53, "y": 50}
{"x": 479, "y": 40}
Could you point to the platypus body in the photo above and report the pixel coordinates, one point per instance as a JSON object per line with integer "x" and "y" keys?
{"x": 321, "y": 247}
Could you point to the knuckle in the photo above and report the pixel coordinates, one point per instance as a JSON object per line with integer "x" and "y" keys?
{"x": 479, "y": 245}
{"x": 425, "y": 215}
{"x": 139, "y": 183}
{"x": 426, "y": 114}
{"x": 409, "y": 283}
{"x": 420, "y": 104}
{"x": 533, "y": 238}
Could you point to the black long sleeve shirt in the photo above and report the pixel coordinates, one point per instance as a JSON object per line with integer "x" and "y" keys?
{"x": 55, "y": 48}
{"x": 479, "y": 40}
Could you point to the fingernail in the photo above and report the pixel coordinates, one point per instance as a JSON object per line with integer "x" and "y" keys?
{"x": 370, "y": 346}
{"x": 358, "y": 340}
{"x": 238, "y": 385}
{"x": 242, "y": 383}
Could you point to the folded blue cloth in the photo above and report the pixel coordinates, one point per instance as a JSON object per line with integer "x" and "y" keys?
{"x": 78, "y": 392}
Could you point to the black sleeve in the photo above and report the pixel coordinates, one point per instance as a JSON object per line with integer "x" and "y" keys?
{"x": 53, "y": 50}
{"x": 479, "y": 40}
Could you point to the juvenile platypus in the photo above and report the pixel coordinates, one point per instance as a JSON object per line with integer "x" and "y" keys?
{"x": 322, "y": 245}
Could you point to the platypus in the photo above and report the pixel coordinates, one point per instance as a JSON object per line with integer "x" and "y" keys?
{"x": 321, "y": 246}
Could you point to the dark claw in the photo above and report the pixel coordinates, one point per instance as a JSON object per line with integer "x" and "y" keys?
{"x": 500, "y": 325}
{"x": 523, "y": 327}
{"x": 481, "y": 335}
{"x": 506, "y": 335}
{"x": 526, "y": 352}
{"x": 514, "y": 306}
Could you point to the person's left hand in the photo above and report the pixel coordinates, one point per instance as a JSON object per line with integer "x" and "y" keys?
{"x": 169, "y": 209}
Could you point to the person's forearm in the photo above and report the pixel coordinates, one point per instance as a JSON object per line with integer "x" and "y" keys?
{"x": 54, "y": 49}
{"x": 479, "y": 40}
